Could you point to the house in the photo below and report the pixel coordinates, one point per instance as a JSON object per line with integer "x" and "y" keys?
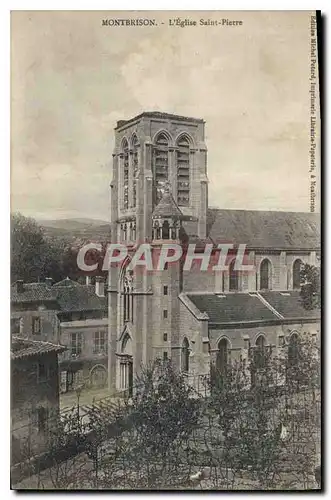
{"x": 34, "y": 395}
{"x": 67, "y": 313}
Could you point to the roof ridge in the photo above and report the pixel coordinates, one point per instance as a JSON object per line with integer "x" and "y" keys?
{"x": 269, "y": 306}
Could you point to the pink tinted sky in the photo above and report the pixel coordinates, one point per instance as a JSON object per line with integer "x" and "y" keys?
{"x": 72, "y": 79}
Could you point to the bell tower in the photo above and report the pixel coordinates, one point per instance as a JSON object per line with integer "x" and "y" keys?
{"x": 159, "y": 182}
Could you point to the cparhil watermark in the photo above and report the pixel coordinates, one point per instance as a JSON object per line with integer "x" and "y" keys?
{"x": 313, "y": 112}
{"x": 145, "y": 256}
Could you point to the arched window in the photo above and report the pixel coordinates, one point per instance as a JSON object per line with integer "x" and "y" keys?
{"x": 259, "y": 353}
{"x": 126, "y": 344}
{"x": 293, "y": 349}
{"x": 165, "y": 230}
{"x": 183, "y": 171}
{"x": 135, "y": 160}
{"x": 265, "y": 275}
{"x": 160, "y": 165}
{"x": 125, "y": 148}
{"x": 296, "y": 274}
{"x": 185, "y": 355}
{"x": 233, "y": 277}
{"x": 127, "y": 288}
{"x": 222, "y": 356}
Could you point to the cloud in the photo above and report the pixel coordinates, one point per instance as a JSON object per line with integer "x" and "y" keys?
{"x": 72, "y": 80}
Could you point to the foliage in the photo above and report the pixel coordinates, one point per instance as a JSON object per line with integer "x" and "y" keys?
{"x": 257, "y": 428}
{"x": 35, "y": 256}
{"x": 311, "y": 287}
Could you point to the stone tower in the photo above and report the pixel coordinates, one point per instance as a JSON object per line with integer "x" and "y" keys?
{"x": 159, "y": 181}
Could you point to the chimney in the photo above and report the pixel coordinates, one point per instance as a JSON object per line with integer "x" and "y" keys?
{"x": 88, "y": 280}
{"x": 99, "y": 286}
{"x": 49, "y": 282}
{"x": 20, "y": 286}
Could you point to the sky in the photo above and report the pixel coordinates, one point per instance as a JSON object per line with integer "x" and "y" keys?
{"x": 72, "y": 79}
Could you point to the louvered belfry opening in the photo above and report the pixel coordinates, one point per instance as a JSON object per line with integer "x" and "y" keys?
{"x": 160, "y": 166}
{"x": 183, "y": 172}
{"x": 125, "y": 174}
{"x": 135, "y": 162}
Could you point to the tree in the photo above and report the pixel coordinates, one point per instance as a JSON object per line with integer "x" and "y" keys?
{"x": 265, "y": 428}
{"x": 33, "y": 257}
{"x": 36, "y": 256}
{"x": 161, "y": 416}
{"x": 310, "y": 292}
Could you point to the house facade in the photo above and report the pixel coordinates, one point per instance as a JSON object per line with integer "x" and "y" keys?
{"x": 71, "y": 314}
{"x": 34, "y": 395}
{"x": 159, "y": 195}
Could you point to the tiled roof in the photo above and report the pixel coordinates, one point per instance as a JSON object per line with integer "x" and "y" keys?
{"x": 289, "y": 305}
{"x": 66, "y": 282}
{"x": 167, "y": 207}
{"x": 24, "y": 348}
{"x": 33, "y": 292}
{"x": 232, "y": 307}
{"x": 68, "y": 295}
{"x": 265, "y": 229}
{"x": 245, "y": 307}
{"x": 79, "y": 298}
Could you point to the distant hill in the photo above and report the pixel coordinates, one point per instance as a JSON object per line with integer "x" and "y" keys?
{"x": 73, "y": 229}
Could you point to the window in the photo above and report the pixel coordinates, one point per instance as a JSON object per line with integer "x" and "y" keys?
{"x": 127, "y": 287}
{"x": 281, "y": 340}
{"x": 165, "y": 356}
{"x": 259, "y": 352}
{"x": 222, "y": 356}
{"x": 183, "y": 171}
{"x": 125, "y": 174}
{"x": 42, "y": 416}
{"x": 293, "y": 350}
{"x": 165, "y": 290}
{"x": 135, "y": 144}
{"x": 165, "y": 337}
{"x": 16, "y": 325}
{"x": 233, "y": 278}
{"x": 265, "y": 275}
{"x": 100, "y": 342}
{"x": 296, "y": 274}
{"x": 185, "y": 362}
{"x": 165, "y": 230}
{"x": 42, "y": 372}
{"x": 76, "y": 343}
{"x": 165, "y": 314}
{"x": 36, "y": 326}
{"x": 160, "y": 166}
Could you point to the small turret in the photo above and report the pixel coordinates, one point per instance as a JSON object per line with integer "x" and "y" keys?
{"x": 167, "y": 217}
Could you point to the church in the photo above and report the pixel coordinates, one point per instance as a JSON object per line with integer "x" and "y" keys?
{"x": 159, "y": 195}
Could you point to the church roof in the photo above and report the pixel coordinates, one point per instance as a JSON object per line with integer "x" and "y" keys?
{"x": 167, "y": 207}
{"x": 234, "y": 307}
{"x": 289, "y": 304}
{"x": 265, "y": 229}
{"x": 244, "y": 307}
